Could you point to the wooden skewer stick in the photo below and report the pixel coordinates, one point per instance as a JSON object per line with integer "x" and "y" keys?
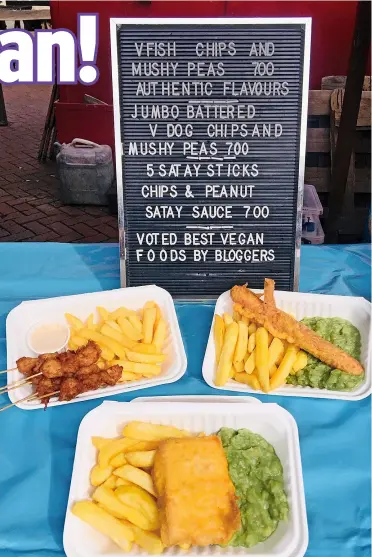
{"x": 27, "y": 398}
{"x": 19, "y": 383}
{"x": 6, "y": 370}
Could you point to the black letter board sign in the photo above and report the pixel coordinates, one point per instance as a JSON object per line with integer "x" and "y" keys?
{"x": 210, "y": 132}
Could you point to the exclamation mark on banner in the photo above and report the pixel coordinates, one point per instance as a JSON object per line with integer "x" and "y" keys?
{"x": 88, "y": 46}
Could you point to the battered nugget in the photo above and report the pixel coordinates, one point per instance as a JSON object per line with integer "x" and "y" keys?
{"x": 197, "y": 500}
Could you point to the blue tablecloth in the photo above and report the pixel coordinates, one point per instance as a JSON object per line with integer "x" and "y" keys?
{"x": 37, "y": 448}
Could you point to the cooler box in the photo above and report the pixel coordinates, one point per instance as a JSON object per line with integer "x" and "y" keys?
{"x": 312, "y": 231}
{"x": 86, "y": 172}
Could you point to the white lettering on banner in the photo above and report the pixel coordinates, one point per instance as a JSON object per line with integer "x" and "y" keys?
{"x": 215, "y": 49}
{"x": 262, "y": 49}
{"x": 155, "y": 112}
{"x": 212, "y": 212}
{"x": 234, "y": 238}
{"x": 196, "y": 148}
{"x": 157, "y": 238}
{"x": 161, "y": 49}
{"x": 255, "y": 88}
{"x": 163, "y": 212}
{"x": 185, "y": 88}
{"x": 154, "y": 69}
{"x": 198, "y": 238}
{"x": 235, "y": 170}
{"x": 179, "y": 130}
{"x": 159, "y": 191}
{"x": 200, "y": 255}
{"x": 153, "y": 129}
{"x": 233, "y": 191}
{"x": 27, "y": 57}
{"x": 194, "y": 170}
{"x": 244, "y": 256}
{"x": 145, "y": 148}
{"x": 174, "y": 88}
{"x": 267, "y": 130}
{"x": 220, "y": 111}
{"x": 205, "y": 69}
{"x": 263, "y": 68}
{"x": 151, "y": 256}
{"x": 227, "y": 130}
{"x": 22, "y": 57}
{"x": 146, "y": 89}
{"x": 176, "y": 170}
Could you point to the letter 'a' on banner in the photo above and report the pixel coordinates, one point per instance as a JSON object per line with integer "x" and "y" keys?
{"x": 210, "y": 136}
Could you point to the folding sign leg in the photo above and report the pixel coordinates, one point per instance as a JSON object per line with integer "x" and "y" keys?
{"x": 3, "y": 117}
{"x": 349, "y": 116}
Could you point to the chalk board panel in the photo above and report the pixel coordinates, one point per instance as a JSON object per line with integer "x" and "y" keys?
{"x": 278, "y": 160}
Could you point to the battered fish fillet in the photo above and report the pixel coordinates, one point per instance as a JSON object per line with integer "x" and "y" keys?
{"x": 197, "y": 499}
{"x": 283, "y": 326}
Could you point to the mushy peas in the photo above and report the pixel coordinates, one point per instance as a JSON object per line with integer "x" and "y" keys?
{"x": 317, "y": 374}
{"x": 257, "y": 475}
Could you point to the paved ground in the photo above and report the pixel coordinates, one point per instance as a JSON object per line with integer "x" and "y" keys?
{"x": 30, "y": 209}
{"x": 8, "y": 14}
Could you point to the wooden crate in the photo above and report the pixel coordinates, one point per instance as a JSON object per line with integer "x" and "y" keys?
{"x": 332, "y": 82}
{"x": 318, "y": 154}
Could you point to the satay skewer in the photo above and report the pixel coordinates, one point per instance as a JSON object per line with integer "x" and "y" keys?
{"x": 71, "y": 378}
{"x": 28, "y": 398}
{"x": 6, "y": 370}
{"x": 86, "y": 355}
{"x": 20, "y": 383}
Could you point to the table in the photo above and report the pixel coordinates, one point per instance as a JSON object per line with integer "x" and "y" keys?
{"x": 37, "y": 448}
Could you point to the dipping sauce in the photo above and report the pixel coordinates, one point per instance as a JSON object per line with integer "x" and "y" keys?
{"x": 50, "y": 337}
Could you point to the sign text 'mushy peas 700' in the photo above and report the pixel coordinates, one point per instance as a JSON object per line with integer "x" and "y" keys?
{"x": 210, "y": 128}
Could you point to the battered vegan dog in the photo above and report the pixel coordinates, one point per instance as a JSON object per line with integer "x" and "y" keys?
{"x": 285, "y": 327}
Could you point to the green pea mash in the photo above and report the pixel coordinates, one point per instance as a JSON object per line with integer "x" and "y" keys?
{"x": 317, "y": 374}
{"x": 257, "y": 475}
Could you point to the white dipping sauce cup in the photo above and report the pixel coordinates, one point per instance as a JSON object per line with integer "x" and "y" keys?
{"x": 58, "y": 346}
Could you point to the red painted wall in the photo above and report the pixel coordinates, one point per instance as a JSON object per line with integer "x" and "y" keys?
{"x": 332, "y": 30}
{"x": 64, "y": 15}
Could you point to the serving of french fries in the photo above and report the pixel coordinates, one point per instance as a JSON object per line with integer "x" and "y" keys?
{"x": 251, "y": 355}
{"x": 132, "y": 339}
{"x": 123, "y": 504}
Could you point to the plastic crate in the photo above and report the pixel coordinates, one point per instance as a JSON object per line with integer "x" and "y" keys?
{"x": 311, "y": 205}
{"x": 312, "y": 231}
